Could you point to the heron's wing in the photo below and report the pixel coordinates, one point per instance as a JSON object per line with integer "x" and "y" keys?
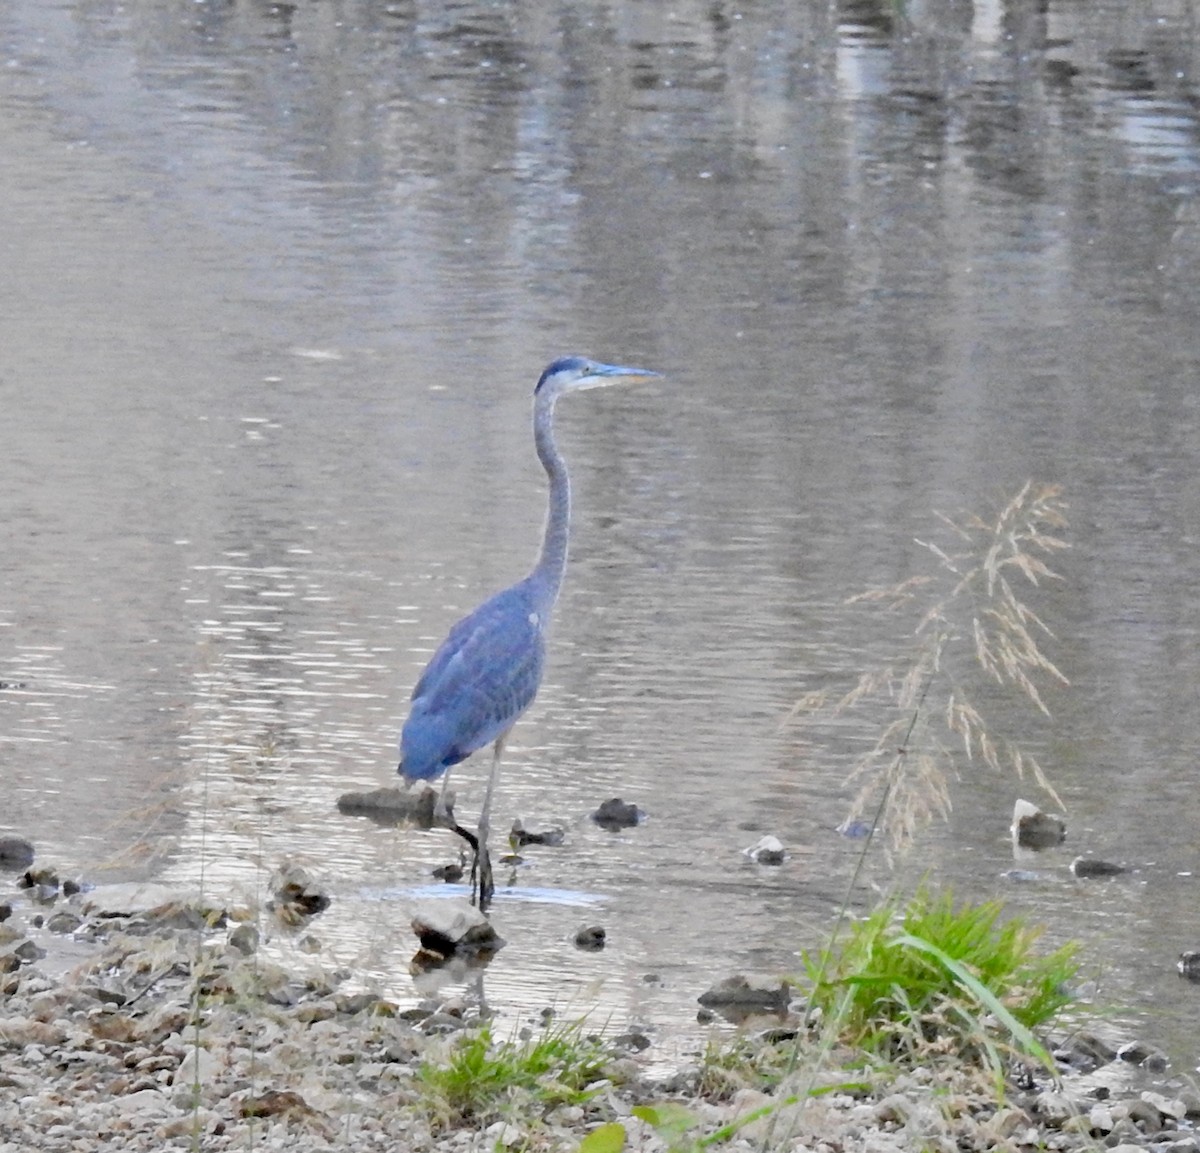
{"x": 485, "y": 674}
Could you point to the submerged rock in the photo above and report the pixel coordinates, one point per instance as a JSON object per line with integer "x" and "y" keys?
{"x": 393, "y": 806}
{"x": 591, "y": 938}
{"x": 519, "y": 836}
{"x": 1189, "y": 965}
{"x": 754, "y": 993}
{"x": 1033, "y": 829}
{"x": 616, "y": 814}
{"x": 1084, "y": 867}
{"x": 15, "y": 853}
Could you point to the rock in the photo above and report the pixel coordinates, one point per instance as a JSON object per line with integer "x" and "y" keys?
{"x": 1173, "y": 1107}
{"x": 28, "y": 951}
{"x": 519, "y": 836}
{"x": 64, "y": 921}
{"x": 1139, "y": 1053}
{"x": 1033, "y": 829}
{"x": 1084, "y": 867}
{"x": 43, "y": 884}
{"x": 855, "y": 828}
{"x": 1085, "y": 1051}
{"x": 446, "y": 928}
{"x": 1188, "y": 964}
{"x": 1054, "y": 1107}
{"x": 5, "y": 911}
{"x": 1145, "y": 1114}
{"x": 591, "y": 938}
{"x": 351, "y": 1003}
{"x": 184, "y": 915}
{"x": 393, "y": 806}
{"x": 127, "y": 899}
{"x": 754, "y": 993}
{"x": 295, "y": 895}
{"x": 15, "y": 853}
{"x": 245, "y": 939}
{"x": 198, "y": 1066}
{"x": 768, "y": 851}
{"x": 503, "y": 1134}
{"x": 616, "y": 814}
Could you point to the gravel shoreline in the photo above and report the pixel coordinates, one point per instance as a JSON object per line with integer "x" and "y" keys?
{"x": 175, "y": 1033}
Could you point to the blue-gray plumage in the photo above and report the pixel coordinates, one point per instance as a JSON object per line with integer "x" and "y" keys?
{"x": 487, "y": 671}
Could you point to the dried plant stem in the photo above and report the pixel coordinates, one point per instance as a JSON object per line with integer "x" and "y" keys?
{"x": 975, "y": 606}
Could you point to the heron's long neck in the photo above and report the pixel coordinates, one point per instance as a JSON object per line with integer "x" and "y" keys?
{"x": 547, "y": 576}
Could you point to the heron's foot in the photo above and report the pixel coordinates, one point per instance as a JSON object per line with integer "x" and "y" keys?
{"x": 483, "y": 887}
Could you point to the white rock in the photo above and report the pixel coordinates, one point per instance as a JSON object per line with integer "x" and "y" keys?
{"x": 127, "y": 898}
{"x": 198, "y": 1064}
{"x": 1170, "y": 1106}
{"x": 768, "y": 851}
{"x": 143, "y": 1101}
{"x": 503, "y": 1134}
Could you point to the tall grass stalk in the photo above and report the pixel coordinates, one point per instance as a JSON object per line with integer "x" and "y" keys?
{"x": 973, "y": 610}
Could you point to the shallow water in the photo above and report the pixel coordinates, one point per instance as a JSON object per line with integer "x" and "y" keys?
{"x": 277, "y": 283}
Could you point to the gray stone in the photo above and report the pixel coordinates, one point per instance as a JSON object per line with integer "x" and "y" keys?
{"x": 393, "y": 806}
{"x": 244, "y": 938}
{"x": 64, "y": 921}
{"x": 1086, "y": 867}
{"x": 769, "y": 994}
{"x": 616, "y": 814}
{"x": 15, "y": 853}
{"x": 1054, "y": 1107}
{"x": 591, "y": 938}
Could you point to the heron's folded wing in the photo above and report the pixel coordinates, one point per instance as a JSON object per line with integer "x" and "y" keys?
{"x": 485, "y": 674}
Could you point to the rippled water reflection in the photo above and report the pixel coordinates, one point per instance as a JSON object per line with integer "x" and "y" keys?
{"x": 278, "y": 280}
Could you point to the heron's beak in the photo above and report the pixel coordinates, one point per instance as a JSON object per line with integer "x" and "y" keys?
{"x": 603, "y": 374}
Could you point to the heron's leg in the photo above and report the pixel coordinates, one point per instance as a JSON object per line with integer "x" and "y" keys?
{"x": 483, "y": 863}
{"x": 442, "y": 813}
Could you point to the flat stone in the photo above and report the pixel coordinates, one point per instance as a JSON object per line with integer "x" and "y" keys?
{"x": 1085, "y": 867}
{"x": 127, "y": 899}
{"x": 392, "y": 806}
{"x": 770, "y": 994}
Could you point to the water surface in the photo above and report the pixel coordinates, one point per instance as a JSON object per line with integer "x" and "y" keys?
{"x": 278, "y": 282}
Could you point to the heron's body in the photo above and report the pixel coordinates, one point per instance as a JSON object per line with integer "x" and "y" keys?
{"x": 487, "y": 672}
{"x": 482, "y": 678}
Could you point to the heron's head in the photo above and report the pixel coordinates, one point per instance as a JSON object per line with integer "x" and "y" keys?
{"x": 570, "y": 373}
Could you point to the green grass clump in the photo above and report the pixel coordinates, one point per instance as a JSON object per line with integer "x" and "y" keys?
{"x": 483, "y": 1079}
{"x": 925, "y": 977}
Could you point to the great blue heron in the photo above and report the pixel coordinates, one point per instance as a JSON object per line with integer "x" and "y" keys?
{"x": 487, "y": 671}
